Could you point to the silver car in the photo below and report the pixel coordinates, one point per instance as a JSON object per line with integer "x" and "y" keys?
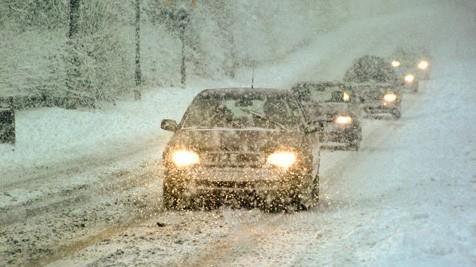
{"x": 250, "y": 146}
{"x": 379, "y": 99}
{"x": 334, "y": 106}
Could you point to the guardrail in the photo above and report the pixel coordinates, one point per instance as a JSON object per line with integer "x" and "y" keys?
{"x": 22, "y": 102}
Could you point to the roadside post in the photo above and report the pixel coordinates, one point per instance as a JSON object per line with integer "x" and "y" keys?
{"x": 7, "y": 123}
{"x": 183, "y": 18}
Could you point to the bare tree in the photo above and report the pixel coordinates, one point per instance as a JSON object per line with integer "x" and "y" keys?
{"x": 74, "y": 6}
{"x": 138, "y": 72}
{"x": 73, "y": 63}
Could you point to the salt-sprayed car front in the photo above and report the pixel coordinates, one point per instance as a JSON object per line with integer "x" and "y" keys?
{"x": 211, "y": 162}
{"x": 334, "y": 107}
{"x": 377, "y": 99}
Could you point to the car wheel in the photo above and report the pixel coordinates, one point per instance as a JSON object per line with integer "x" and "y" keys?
{"x": 355, "y": 145}
{"x": 415, "y": 87}
{"x": 396, "y": 114}
{"x": 173, "y": 196}
{"x": 308, "y": 197}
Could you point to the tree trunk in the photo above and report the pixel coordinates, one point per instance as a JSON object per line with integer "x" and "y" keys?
{"x": 73, "y": 18}
{"x": 183, "y": 72}
{"x": 73, "y": 62}
{"x": 138, "y": 72}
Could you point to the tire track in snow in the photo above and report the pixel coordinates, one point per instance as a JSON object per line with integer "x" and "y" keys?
{"x": 56, "y": 227}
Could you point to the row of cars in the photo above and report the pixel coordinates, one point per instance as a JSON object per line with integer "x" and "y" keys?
{"x": 262, "y": 146}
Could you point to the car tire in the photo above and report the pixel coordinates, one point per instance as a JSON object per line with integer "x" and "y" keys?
{"x": 396, "y": 114}
{"x": 416, "y": 87}
{"x": 308, "y": 196}
{"x": 173, "y": 196}
{"x": 355, "y": 145}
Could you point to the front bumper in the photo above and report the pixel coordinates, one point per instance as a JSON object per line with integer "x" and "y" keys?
{"x": 202, "y": 180}
{"x": 381, "y": 108}
{"x": 338, "y": 134}
{"x": 412, "y": 87}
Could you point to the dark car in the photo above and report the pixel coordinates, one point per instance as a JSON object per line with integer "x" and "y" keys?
{"x": 334, "y": 107}
{"x": 408, "y": 79}
{"x": 412, "y": 60}
{"x": 250, "y": 145}
{"x": 375, "y": 70}
{"x": 379, "y": 99}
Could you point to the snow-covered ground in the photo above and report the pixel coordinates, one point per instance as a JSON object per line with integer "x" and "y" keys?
{"x": 407, "y": 198}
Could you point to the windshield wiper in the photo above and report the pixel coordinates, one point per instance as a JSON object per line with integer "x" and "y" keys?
{"x": 262, "y": 117}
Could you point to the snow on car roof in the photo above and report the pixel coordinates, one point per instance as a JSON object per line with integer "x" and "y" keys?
{"x": 244, "y": 91}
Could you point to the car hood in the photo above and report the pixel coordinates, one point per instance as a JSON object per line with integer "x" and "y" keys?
{"x": 236, "y": 140}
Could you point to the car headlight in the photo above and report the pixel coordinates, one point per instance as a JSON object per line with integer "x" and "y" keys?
{"x": 390, "y": 97}
{"x": 395, "y": 63}
{"x": 185, "y": 158}
{"x": 343, "y": 120}
{"x": 283, "y": 159}
{"x": 423, "y": 65}
{"x": 409, "y": 78}
{"x": 346, "y": 97}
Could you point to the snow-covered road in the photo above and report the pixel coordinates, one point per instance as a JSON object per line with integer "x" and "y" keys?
{"x": 407, "y": 198}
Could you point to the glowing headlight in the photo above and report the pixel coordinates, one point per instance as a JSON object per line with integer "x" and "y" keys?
{"x": 283, "y": 159}
{"x": 390, "y": 97}
{"x": 409, "y": 78}
{"x": 184, "y": 158}
{"x": 343, "y": 120}
{"x": 395, "y": 63}
{"x": 346, "y": 97}
{"x": 423, "y": 65}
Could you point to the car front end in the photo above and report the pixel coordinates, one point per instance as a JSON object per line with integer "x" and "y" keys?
{"x": 381, "y": 104}
{"x": 341, "y": 130}
{"x": 409, "y": 81}
{"x": 222, "y": 170}
{"x": 241, "y": 144}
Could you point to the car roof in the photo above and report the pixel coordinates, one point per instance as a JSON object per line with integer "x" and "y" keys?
{"x": 307, "y": 84}
{"x": 237, "y": 91}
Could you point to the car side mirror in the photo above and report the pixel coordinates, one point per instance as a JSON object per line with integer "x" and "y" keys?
{"x": 169, "y": 125}
{"x": 311, "y": 128}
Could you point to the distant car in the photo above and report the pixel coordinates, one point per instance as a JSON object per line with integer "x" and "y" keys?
{"x": 408, "y": 80}
{"x": 412, "y": 60}
{"x": 334, "y": 107}
{"x": 374, "y": 70}
{"x": 379, "y": 99}
{"x": 249, "y": 144}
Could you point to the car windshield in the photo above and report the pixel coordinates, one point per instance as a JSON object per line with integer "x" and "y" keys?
{"x": 373, "y": 93}
{"x": 274, "y": 112}
{"x": 331, "y": 94}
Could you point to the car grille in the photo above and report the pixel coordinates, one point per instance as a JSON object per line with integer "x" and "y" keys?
{"x": 225, "y": 184}
{"x": 232, "y": 159}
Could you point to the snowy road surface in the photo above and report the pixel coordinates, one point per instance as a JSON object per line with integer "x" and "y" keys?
{"x": 407, "y": 198}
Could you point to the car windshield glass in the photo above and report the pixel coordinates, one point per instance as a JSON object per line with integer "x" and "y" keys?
{"x": 331, "y": 94}
{"x": 242, "y": 112}
{"x": 373, "y": 93}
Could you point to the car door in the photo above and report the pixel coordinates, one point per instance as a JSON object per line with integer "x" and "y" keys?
{"x": 312, "y": 138}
